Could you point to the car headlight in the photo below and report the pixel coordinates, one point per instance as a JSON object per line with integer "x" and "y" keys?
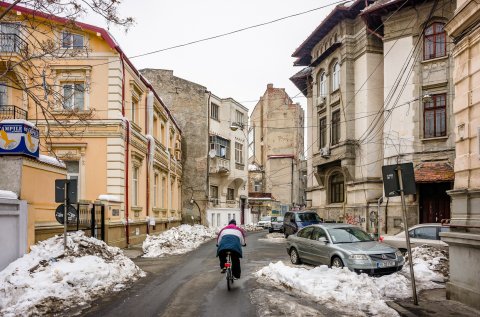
{"x": 398, "y": 253}
{"x": 358, "y": 257}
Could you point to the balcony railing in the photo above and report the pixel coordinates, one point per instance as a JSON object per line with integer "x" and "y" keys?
{"x": 12, "y": 112}
{"x": 219, "y": 165}
{"x": 12, "y": 43}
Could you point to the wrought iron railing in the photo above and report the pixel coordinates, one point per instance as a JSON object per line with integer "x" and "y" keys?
{"x": 12, "y": 112}
{"x": 12, "y": 43}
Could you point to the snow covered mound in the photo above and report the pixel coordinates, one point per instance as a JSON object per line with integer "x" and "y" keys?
{"x": 47, "y": 280}
{"x": 251, "y": 227}
{"x": 359, "y": 294}
{"x": 177, "y": 240}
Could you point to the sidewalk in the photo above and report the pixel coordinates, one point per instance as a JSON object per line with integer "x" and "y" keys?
{"x": 133, "y": 251}
{"x": 432, "y": 303}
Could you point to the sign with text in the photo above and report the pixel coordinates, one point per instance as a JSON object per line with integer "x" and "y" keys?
{"x": 391, "y": 183}
{"x": 71, "y": 214}
{"x": 19, "y": 137}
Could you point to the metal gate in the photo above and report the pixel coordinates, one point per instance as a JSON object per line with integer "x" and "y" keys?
{"x": 91, "y": 220}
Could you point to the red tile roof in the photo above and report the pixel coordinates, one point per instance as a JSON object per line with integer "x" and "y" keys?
{"x": 434, "y": 172}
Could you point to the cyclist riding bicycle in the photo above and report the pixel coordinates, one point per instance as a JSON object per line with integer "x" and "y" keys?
{"x": 231, "y": 239}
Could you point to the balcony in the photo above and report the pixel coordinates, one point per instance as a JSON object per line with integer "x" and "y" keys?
{"x": 12, "y": 43}
{"x": 12, "y": 112}
{"x": 219, "y": 165}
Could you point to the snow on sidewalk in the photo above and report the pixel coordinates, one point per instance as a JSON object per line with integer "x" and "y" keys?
{"x": 177, "y": 240}
{"x": 359, "y": 294}
{"x": 47, "y": 280}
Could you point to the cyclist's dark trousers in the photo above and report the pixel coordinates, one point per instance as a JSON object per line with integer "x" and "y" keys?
{"x": 236, "y": 269}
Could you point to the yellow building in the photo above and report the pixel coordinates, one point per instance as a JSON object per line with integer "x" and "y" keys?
{"x": 97, "y": 114}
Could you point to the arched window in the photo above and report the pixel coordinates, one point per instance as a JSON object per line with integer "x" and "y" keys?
{"x": 337, "y": 188}
{"x": 335, "y": 76}
{"x": 322, "y": 84}
{"x": 435, "y": 41}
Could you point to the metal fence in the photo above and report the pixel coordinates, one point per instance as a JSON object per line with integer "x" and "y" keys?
{"x": 12, "y": 112}
{"x": 91, "y": 220}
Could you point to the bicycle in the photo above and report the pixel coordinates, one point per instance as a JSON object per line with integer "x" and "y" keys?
{"x": 228, "y": 272}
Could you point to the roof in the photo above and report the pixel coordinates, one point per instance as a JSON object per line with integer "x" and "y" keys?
{"x": 299, "y": 79}
{"x": 107, "y": 37}
{"x": 341, "y": 11}
{"x": 434, "y": 172}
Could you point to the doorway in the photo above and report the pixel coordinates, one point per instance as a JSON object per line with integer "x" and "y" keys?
{"x": 434, "y": 202}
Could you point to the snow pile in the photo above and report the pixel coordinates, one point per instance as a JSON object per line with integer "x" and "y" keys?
{"x": 251, "y": 227}
{"x": 177, "y": 240}
{"x": 359, "y": 294}
{"x": 6, "y": 194}
{"x": 48, "y": 280}
{"x": 275, "y": 237}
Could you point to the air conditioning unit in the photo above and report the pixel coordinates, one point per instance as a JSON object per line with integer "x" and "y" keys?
{"x": 325, "y": 152}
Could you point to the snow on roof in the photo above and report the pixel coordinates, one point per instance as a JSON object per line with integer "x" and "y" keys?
{"x": 6, "y": 194}
{"x": 19, "y": 121}
{"x": 51, "y": 160}
{"x": 113, "y": 198}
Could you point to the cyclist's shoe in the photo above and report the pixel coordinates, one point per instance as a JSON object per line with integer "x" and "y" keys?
{"x": 223, "y": 270}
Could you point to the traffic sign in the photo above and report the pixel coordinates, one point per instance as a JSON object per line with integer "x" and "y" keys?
{"x": 71, "y": 214}
{"x": 60, "y": 190}
{"x": 391, "y": 183}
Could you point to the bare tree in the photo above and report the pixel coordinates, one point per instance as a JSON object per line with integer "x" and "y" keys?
{"x": 31, "y": 43}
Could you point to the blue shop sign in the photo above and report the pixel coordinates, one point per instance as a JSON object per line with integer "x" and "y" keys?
{"x": 19, "y": 138}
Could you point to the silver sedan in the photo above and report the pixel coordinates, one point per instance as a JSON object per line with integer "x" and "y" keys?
{"x": 340, "y": 245}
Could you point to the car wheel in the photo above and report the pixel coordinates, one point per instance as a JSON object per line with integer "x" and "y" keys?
{"x": 270, "y": 230}
{"x": 294, "y": 256}
{"x": 286, "y": 235}
{"x": 337, "y": 262}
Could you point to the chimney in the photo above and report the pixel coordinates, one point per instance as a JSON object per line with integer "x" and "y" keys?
{"x": 270, "y": 86}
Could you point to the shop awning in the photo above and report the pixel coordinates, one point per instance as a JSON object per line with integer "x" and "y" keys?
{"x": 434, "y": 172}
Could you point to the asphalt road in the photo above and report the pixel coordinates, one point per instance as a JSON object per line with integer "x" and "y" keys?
{"x": 191, "y": 284}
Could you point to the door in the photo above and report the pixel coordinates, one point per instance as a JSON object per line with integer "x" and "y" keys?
{"x": 434, "y": 202}
{"x": 304, "y": 244}
{"x": 319, "y": 248}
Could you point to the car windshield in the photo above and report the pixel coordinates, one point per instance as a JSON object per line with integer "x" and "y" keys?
{"x": 349, "y": 235}
{"x": 267, "y": 218}
{"x": 309, "y": 216}
{"x": 277, "y": 219}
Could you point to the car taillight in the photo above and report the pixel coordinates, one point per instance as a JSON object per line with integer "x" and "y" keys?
{"x": 227, "y": 264}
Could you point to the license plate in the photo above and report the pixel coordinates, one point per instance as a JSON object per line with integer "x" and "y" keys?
{"x": 386, "y": 264}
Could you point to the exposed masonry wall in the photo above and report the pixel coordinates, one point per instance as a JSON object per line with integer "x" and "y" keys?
{"x": 188, "y": 103}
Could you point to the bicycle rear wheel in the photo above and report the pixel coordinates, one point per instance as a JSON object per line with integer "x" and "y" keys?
{"x": 229, "y": 278}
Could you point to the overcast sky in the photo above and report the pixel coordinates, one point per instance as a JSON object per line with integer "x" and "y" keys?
{"x": 239, "y": 65}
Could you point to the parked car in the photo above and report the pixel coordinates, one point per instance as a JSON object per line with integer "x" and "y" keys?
{"x": 265, "y": 222}
{"x": 425, "y": 233}
{"x": 343, "y": 245}
{"x": 296, "y": 220}
{"x": 277, "y": 224}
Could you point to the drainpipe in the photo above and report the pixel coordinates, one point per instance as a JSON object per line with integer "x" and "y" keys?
{"x": 291, "y": 189}
{"x": 150, "y": 147}
{"x": 207, "y": 190}
{"x": 147, "y": 192}
{"x": 127, "y": 142}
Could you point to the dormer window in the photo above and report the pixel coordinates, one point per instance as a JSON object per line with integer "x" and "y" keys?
{"x": 72, "y": 40}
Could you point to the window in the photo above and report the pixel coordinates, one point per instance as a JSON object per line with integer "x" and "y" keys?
{"x": 429, "y": 233}
{"x": 170, "y": 200}
{"x": 221, "y": 146}
{"x": 135, "y": 186}
{"x": 238, "y": 153}
{"x": 71, "y": 40}
{"x": 213, "y": 220}
{"x": 322, "y": 84}
{"x": 435, "y": 44}
{"x": 155, "y": 127}
{"x": 239, "y": 117}
{"x": 164, "y": 191}
{"x": 336, "y": 188}
{"x": 73, "y": 96}
{"x": 305, "y": 233}
{"x": 73, "y": 172}
{"x": 155, "y": 190}
{"x": 218, "y": 220}
{"x": 257, "y": 186}
{"x": 162, "y": 133}
{"x": 434, "y": 115}
{"x": 214, "y": 194}
{"x": 3, "y": 94}
{"x": 335, "y": 127}
{"x": 134, "y": 110}
{"x": 214, "y": 111}
{"x": 336, "y": 76}
{"x": 10, "y": 40}
{"x": 323, "y": 132}
{"x": 318, "y": 233}
{"x": 230, "y": 194}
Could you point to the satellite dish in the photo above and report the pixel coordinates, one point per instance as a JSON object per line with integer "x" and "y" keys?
{"x": 212, "y": 153}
